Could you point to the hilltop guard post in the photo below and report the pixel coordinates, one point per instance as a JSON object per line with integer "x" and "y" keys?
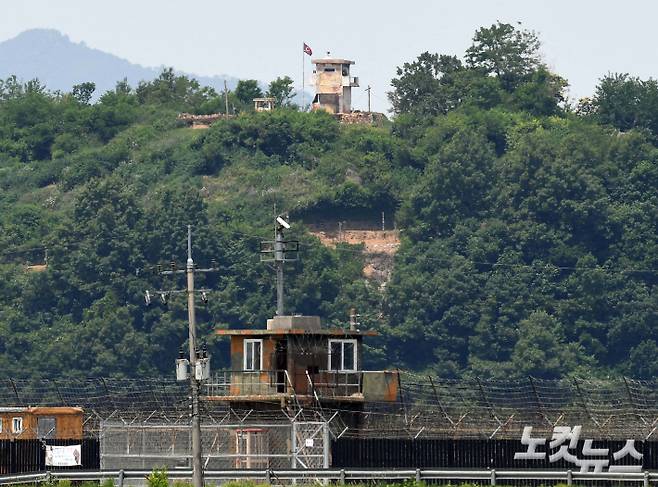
{"x": 333, "y": 85}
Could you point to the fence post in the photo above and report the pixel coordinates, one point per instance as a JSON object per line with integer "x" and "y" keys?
{"x": 121, "y": 475}
{"x": 342, "y": 476}
{"x": 326, "y": 444}
{"x": 268, "y": 476}
{"x": 493, "y": 476}
{"x": 417, "y": 475}
{"x": 294, "y": 444}
{"x": 569, "y": 477}
{"x": 646, "y": 478}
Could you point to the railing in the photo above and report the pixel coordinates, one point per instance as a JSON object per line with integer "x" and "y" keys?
{"x": 325, "y": 383}
{"x": 492, "y": 477}
{"x": 334, "y": 383}
{"x": 248, "y": 383}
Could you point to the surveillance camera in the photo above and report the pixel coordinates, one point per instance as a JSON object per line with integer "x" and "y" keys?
{"x": 163, "y": 298}
{"x": 147, "y": 298}
{"x": 283, "y": 223}
{"x": 204, "y": 297}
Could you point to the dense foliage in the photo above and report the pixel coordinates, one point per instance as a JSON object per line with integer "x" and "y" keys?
{"x": 528, "y": 227}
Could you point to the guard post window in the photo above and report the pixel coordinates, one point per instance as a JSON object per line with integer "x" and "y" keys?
{"x": 253, "y": 354}
{"x": 342, "y": 355}
{"x": 17, "y": 425}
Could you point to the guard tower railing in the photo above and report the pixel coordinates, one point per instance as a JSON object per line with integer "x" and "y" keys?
{"x": 337, "y": 384}
{"x": 248, "y": 383}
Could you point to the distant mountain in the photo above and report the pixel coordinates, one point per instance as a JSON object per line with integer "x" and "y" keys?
{"x": 59, "y": 63}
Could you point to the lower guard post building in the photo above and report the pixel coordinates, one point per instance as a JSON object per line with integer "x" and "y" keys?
{"x": 295, "y": 362}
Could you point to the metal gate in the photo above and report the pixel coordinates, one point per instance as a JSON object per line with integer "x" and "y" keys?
{"x": 310, "y": 445}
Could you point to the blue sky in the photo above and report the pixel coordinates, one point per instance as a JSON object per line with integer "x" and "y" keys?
{"x": 583, "y": 40}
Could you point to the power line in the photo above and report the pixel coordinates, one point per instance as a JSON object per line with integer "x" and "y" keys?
{"x": 547, "y": 266}
{"x": 502, "y": 264}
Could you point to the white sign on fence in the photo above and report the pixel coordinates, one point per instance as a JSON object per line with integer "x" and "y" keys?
{"x": 63, "y": 456}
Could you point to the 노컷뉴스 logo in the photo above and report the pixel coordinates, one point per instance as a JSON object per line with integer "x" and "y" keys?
{"x": 564, "y": 445}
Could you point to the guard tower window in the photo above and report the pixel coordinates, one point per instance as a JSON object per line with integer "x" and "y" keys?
{"x": 342, "y": 355}
{"x": 46, "y": 427}
{"x": 17, "y": 425}
{"x": 346, "y": 69}
{"x": 253, "y": 354}
{"x": 329, "y": 69}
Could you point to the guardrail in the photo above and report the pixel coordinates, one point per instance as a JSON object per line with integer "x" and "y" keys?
{"x": 344, "y": 475}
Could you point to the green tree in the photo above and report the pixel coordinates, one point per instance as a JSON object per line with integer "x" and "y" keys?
{"x": 83, "y": 92}
{"x": 456, "y": 185}
{"x": 542, "y": 94}
{"x": 642, "y": 362}
{"x": 29, "y": 117}
{"x": 627, "y": 102}
{"x": 281, "y": 89}
{"x": 509, "y": 53}
{"x": 174, "y": 91}
{"x": 246, "y": 91}
{"x": 540, "y": 350}
{"x": 427, "y": 85}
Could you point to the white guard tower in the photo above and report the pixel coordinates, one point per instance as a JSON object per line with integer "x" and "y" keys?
{"x": 333, "y": 85}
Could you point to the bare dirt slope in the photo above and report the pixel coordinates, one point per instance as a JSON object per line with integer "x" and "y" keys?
{"x": 380, "y": 246}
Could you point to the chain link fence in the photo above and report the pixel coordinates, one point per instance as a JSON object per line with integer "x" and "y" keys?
{"x": 225, "y": 446}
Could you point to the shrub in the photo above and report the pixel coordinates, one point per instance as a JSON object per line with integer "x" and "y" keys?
{"x": 158, "y": 478}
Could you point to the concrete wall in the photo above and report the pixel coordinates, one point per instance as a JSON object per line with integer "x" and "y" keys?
{"x": 381, "y": 385}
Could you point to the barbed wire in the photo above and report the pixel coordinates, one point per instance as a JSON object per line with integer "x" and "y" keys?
{"x": 423, "y": 406}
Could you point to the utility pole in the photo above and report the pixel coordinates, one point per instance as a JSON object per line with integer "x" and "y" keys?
{"x": 226, "y": 98}
{"x": 368, "y": 90}
{"x": 354, "y": 323}
{"x": 279, "y": 251}
{"x": 199, "y": 365}
{"x": 197, "y": 465}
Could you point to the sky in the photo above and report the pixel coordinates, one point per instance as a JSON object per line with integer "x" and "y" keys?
{"x": 582, "y": 39}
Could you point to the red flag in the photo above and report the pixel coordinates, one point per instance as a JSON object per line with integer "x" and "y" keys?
{"x": 308, "y": 50}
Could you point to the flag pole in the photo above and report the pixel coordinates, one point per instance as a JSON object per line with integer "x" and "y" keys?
{"x": 303, "y": 76}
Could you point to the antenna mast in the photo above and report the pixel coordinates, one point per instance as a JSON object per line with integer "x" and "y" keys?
{"x": 279, "y": 251}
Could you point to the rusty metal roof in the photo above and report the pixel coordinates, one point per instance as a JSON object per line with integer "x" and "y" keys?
{"x": 42, "y": 410}
{"x": 298, "y": 331}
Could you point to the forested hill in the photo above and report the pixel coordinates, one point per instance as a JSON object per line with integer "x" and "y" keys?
{"x": 528, "y": 223}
